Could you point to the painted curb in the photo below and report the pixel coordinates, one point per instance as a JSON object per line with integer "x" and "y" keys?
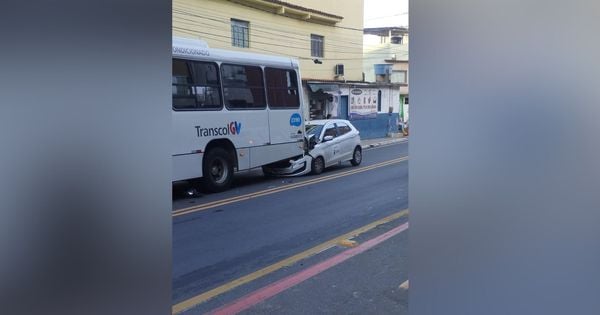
{"x": 376, "y": 144}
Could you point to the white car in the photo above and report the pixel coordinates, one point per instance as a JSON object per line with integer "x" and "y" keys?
{"x": 329, "y": 142}
{"x": 332, "y": 141}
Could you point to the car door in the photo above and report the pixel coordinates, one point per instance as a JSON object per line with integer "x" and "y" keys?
{"x": 344, "y": 138}
{"x": 331, "y": 148}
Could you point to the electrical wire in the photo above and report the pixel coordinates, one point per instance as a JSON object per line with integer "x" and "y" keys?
{"x": 222, "y": 39}
{"x": 227, "y": 15}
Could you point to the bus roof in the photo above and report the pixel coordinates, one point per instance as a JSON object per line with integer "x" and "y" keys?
{"x": 198, "y": 49}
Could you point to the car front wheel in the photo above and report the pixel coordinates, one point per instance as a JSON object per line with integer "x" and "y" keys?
{"x": 318, "y": 165}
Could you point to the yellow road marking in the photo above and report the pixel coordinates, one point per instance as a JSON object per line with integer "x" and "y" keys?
{"x": 261, "y": 193}
{"x": 201, "y": 298}
{"x": 348, "y": 243}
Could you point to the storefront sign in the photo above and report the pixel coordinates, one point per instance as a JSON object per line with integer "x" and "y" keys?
{"x": 363, "y": 104}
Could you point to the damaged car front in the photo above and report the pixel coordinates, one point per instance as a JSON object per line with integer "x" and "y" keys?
{"x": 296, "y": 166}
{"x": 327, "y": 143}
{"x": 299, "y": 165}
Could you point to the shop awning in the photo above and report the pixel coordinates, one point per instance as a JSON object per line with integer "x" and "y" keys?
{"x": 325, "y": 87}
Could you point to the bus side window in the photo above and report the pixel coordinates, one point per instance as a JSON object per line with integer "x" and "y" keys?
{"x": 207, "y": 88}
{"x": 243, "y": 87}
{"x": 195, "y": 85}
{"x": 282, "y": 88}
{"x": 183, "y": 97}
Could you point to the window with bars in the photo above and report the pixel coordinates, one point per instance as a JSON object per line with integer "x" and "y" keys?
{"x": 316, "y": 45}
{"x": 240, "y": 35}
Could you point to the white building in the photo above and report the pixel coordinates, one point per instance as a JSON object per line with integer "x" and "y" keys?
{"x": 385, "y": 51}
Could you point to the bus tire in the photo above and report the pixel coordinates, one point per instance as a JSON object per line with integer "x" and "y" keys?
{"x": 317, "y": 165}
{"x": 217, "y": 170}
{"x": 356, "y": 156}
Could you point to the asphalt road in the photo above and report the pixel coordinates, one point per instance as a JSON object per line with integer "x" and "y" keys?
{"x": 235, "y": 236}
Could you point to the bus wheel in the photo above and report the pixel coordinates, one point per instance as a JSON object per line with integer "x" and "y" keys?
{"x": 318, "y": 165}
{"x": 217, "y": 170}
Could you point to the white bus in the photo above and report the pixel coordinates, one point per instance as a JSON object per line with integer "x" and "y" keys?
{"x": 232, "y": 111}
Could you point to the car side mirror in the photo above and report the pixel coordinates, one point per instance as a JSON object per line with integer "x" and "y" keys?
{"x": 327, "y": 138}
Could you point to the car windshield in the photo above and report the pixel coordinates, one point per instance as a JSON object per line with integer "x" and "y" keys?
{"x": 313, "y": 130}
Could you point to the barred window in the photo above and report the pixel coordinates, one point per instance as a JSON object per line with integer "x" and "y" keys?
{"x": 240, "y": 36}
{"x": 316, "y": 45}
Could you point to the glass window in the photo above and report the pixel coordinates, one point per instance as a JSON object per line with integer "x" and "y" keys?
{"x": 316, "y": 45}
{"x": 399, "y": 76}
{"x": 240, "y": 36}
{"x": 330, "y": 131}
{"x": 343, "y": 128}
{"x": 196, "y": 85}
{"x": 243, "y": 87}
{"x": 282, "y": 88}
{"x": 206, "y": 85}
{"x": 183, "y": 97}
{"x": 314, "y": 130}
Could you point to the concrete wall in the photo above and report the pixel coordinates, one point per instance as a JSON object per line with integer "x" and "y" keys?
{"x": 390, "y": 96}
{"x": 280, "y": 35}
{"x": 403, "y": 66}
{"x": 378, "y": 127}
{"x": 385, "y": 122}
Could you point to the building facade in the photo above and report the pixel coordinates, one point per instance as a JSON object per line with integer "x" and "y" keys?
{"x": 325, "y": 36}
{"x": 321, "y": 34}
{"x": 386, "y": 60}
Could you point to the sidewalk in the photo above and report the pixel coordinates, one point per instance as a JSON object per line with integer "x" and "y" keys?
{"x": 373, "y": 282}
{"x": 370, "y": 143}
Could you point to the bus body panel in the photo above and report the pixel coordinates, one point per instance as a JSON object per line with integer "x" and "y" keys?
{"x": 187, "y": 166}
{"x": 259, "y": 136}
{"x": 243, "y": 157}
{"x": 281, "y": 130}
{"x": 272, "y": 153}
{"x": 286, "y": 124}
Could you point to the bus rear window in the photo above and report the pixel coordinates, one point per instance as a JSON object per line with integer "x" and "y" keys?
{"x": 196, "y": 85}
{"x": 243, "y": 87}
{"x": 282, "y": 88}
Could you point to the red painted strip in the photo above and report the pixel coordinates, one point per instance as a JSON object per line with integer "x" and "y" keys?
{"x": 275, "y": 288}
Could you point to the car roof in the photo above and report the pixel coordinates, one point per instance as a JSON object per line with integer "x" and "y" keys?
{"x": 324, "y": 121}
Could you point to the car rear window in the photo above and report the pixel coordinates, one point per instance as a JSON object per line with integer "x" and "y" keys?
{"x": 343, "y": 128}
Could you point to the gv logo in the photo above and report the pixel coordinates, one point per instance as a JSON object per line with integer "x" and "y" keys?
{"x": 235, "y": 127}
